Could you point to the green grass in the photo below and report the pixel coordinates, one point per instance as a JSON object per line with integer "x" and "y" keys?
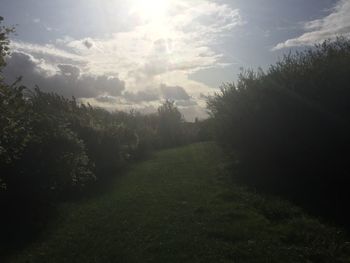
{"x": 180, "y": 206}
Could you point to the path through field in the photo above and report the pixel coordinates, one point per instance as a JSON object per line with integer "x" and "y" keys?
{"x": 180, "y": 206}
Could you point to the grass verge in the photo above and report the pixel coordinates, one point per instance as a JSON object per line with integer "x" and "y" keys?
{"x": 180, "y": 206}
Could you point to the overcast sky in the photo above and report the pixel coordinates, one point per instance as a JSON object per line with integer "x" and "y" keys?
{"x": 135, "y": 54}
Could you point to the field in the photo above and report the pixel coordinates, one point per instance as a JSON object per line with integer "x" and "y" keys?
{"x": 181, "y": 205}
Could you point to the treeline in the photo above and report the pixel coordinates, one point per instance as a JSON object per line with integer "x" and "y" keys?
{"x": 288, "y": 129}
{"x": 53, "y": 148}
{"x": 51, "y": 145}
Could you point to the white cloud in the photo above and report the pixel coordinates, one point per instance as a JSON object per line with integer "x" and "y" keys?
{"x": 50, "y": 53}
{"x": 158, "y": 49}
{"x": 335, "y": 24}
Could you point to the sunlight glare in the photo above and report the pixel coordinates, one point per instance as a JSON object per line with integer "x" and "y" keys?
{"x": 151, "y": 9}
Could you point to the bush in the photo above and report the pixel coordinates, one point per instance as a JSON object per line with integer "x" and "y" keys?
{"x": 39, "y": 151}
{"x": 290, "y": 125}
{"x": 170, "y": 120}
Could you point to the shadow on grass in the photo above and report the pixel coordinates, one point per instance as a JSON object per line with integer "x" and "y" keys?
{"x": 23, "y": 219}
{"x": 327, "y": 202}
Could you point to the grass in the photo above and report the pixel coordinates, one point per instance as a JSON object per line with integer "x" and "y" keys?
{"x": 180, "y": 206}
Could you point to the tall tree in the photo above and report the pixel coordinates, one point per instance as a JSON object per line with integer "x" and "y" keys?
{"x": 170, "y": 124}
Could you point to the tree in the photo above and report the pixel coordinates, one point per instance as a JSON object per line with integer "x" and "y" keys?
{"x": 170, "y": 124}
{"x": 289, "y": 127}
{"x": 4, "y": 42}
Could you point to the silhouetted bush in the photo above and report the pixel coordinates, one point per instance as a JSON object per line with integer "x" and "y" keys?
{"x": 169, "y": 127}
{"x": 289, "y": 127}
{"x": 51, "y": 148}
{"x": 51, "y": 144}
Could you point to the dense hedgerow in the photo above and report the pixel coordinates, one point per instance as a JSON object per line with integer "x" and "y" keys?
{"x": 53, "y": 148}
{"x": 289, "y": 126}
{"x": 50, "y": 144}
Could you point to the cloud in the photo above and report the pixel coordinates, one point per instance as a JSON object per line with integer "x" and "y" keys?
{"x": 67, "y": 80}
{"x": 141, "y": 96}
{"x": 186, "y": 103}
{"x": 335, "y": 24}
{"x": 174, "y": 92}
{"x": 150, "y": 60}
{"x": 106, "y": 99}
{"x": 88, "y": 43}
{"x": 50, "y": 54}
{"x": 181, "y": 41}
{"x": 48, "y": 50}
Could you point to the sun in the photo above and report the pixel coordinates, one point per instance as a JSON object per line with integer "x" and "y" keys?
{"x": 150, "y": 9}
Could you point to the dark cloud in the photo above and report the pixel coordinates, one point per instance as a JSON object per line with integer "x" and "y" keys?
{"x": 174, "y": 92}
{"x": 87, "y": 43}
{"x": 147, "y": 95}
{"x": 68, "y": 81}
{"x": 18, "y": 64}
{"x": 69, "y": 70}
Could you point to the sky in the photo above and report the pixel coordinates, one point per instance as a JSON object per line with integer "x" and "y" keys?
{"x": 123, "y": 55}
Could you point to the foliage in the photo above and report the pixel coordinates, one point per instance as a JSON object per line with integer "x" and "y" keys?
{"x": 290, "y": 125}
{"x": 4, "y": 42}
{"x": 170, "y": 120}
{"x": 54, "y": 148}
{"x": 50, "y": 143}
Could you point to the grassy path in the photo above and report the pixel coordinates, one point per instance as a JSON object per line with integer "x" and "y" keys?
{"x": 180, "y": 207}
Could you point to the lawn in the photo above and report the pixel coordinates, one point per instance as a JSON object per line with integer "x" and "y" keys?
{"x": 182, "y": 206}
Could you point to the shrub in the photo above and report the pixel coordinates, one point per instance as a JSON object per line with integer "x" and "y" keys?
{"x": 290, "y": 125}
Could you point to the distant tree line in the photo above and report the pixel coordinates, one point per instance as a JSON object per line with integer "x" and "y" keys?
{"x": 288, "y": 129}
